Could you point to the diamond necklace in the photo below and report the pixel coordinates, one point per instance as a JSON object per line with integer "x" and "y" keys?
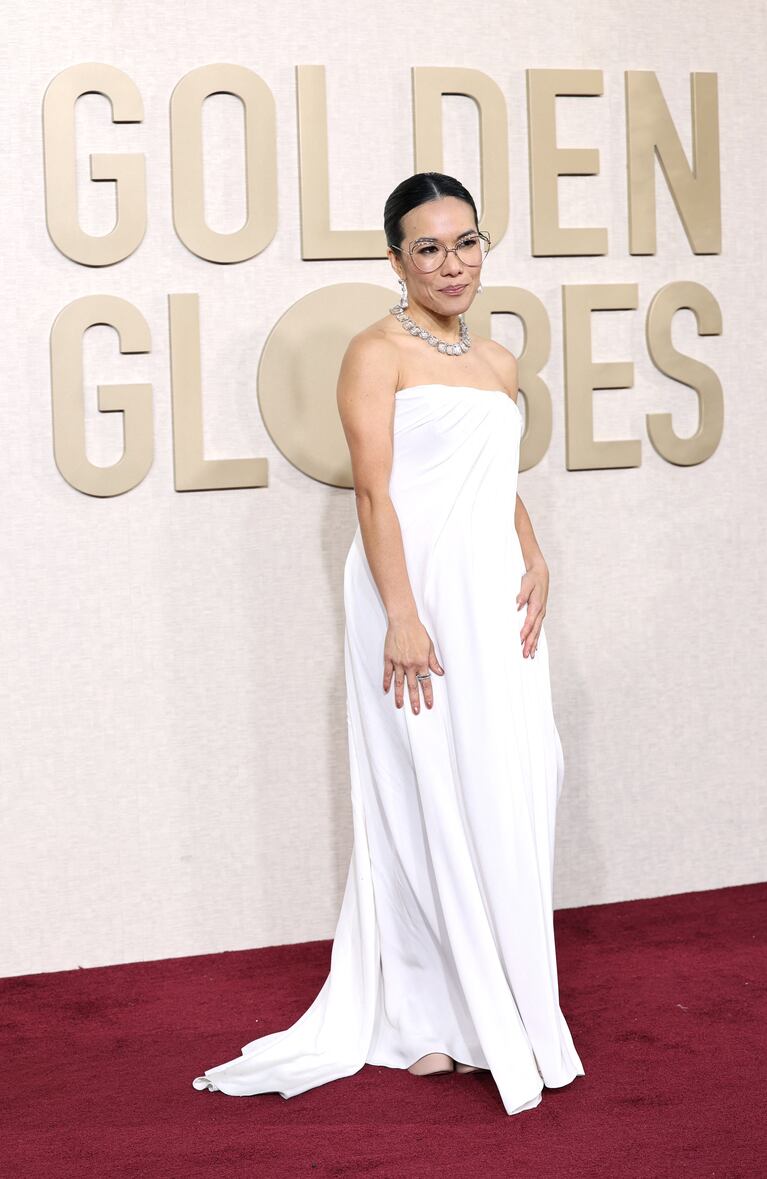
{"x": 462, "y": 346}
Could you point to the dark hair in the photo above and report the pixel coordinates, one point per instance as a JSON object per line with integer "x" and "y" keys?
{"x": 416, "y": 190}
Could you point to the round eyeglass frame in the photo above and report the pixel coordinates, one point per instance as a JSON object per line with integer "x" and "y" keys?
{"x": 446, "y": 250}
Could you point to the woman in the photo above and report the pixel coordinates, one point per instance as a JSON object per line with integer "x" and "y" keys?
{"x": 443, "y": 957}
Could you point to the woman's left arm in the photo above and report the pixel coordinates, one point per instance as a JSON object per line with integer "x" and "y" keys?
{"x": 535, "y": 581}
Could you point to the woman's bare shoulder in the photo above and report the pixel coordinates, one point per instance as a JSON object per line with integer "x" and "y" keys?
{"x": 371, "y": 359}
{"x": 374, "y": 341}
{"x": 504, "y": 364}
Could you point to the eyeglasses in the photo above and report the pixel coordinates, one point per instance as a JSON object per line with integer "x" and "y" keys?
{"x": 429, "y": 254}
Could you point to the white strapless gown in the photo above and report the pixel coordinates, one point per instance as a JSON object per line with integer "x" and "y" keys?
{"x": 445, "y": 939}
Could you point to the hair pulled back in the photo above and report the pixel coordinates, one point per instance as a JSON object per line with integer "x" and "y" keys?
{"x": 415, "y": 190}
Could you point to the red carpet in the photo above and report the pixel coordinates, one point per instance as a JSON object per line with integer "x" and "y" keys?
{"x": 665, "y": 999}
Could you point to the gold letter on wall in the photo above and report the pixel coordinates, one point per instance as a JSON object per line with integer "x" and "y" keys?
{"x": 318, "y": 240}
{"x": 583, "y": 375}
{"x": 126, "y": 170}
{"x": 548, "y": 162}
{"x": 702, "y": 444}
{"x": 298, "y": 376}
{"x": 193, "y": 472}
{"x": 260, "y": 163}
{"x": 134, "y": 401}
{"x": 696, "y": 192}
{"x": 429, "y": 84}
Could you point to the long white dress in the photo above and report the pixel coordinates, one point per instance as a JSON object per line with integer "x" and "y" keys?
{"x": 445, "y": 938}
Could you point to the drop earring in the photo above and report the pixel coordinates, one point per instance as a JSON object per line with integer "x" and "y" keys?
{"x": 479, "y": 288}
{"x": 403, "y": 296}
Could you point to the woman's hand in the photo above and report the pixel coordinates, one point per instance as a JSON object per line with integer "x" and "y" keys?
{"x": 534, "y": 590}
{"x": 408, "y": 650}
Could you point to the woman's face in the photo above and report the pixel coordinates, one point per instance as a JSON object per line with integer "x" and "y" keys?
{"x": 447, "y": 219}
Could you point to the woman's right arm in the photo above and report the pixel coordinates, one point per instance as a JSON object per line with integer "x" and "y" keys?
{"x": 367, "y": 380}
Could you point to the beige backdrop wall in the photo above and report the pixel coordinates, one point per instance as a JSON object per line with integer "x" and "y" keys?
{"x": 174, "y": 773}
